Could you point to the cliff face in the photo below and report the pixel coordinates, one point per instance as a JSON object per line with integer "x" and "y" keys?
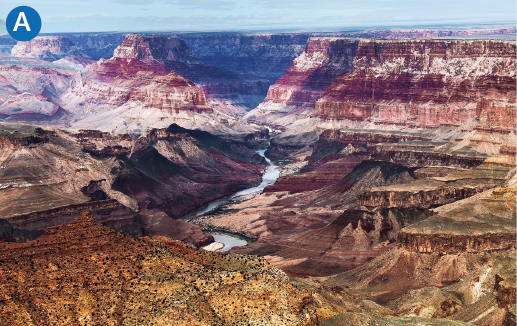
{"x": 154, "y": 48}
{"x": 294, "y": 94}
{"x": 437, "y": 191}
{"x": 421, "y": 83}
{"x": 48, "y": 48}
{"x": 97, "y": 275}
{"x": 263, "y": 55}
{"x": 485, "y": 222}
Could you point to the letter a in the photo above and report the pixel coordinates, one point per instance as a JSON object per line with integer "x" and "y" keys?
{"x": 25, "y": 23}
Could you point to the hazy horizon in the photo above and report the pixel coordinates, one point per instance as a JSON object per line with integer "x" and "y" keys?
{"x": 237, "y": 15}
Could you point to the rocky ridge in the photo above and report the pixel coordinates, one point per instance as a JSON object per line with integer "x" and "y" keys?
{"x": 93, "y": 278}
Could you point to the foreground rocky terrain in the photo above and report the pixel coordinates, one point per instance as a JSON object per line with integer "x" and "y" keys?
{"x": 84, "y": 274}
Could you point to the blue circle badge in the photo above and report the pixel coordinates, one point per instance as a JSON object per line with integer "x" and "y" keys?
{"x": 23, "y": 23}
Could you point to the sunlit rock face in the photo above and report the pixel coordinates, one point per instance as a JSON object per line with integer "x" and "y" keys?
{"x": 30, "y": 89}
{"x": 419, "y": 83}
{"x": 133, "y": 91}
{"x": 293, "y": 95}
{"x": 423, "y": 83}
{"x": 48, "y": 48}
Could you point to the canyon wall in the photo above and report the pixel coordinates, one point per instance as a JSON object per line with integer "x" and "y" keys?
{"x": 423, "y": 82}
{"x": 48, "y": 48}
{"x": 135, "y": 90}
{"x": 140, "y": 187}
{"x": 294, "y": 94}
{"x": 417, "y": 83}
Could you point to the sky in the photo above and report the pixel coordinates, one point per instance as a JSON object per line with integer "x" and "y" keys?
{"x": 61, "y": 16}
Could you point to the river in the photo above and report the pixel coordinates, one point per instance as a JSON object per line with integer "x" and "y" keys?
{"x": 268, "y": 178}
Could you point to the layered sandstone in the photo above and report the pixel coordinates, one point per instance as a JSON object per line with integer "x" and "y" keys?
{"x": 418, "y": 83}
{"x": 157, "y": 48}
{"x": 224, "y": 87}
{"x": 97, "y": 275}
{"x": 423, "y": 82}
{"x": 294, "y": 94}
{"x": 464, "y": 286}
{"x": 118, "y": 81}
{"x": 48, "y": 48}
{"x": 484, "y": 222}
{"x": 437, "y": 191}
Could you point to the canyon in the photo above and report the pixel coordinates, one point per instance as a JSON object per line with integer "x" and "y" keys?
{"x": 48, "y": 176}
{"x": 395, "y": 202}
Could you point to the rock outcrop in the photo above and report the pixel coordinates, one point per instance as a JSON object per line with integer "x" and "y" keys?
{"x": 437, "y": 191}
{"x": 222, "y": 86}
{"x": 145, "y": 85}
{"x": 484, "y": 222}
{"x": 87, "y": 273}
{"x": 49, "y": 48}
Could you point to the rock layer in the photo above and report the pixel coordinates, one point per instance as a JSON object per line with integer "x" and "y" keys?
{"x": 419, "y": 83}
{"x": 423, "y": 82}
{"x": 485, "y": 222}
{"x": 48, "y": 48}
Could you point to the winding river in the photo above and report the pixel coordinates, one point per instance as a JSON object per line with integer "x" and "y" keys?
{"x": 268, "y": 178}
